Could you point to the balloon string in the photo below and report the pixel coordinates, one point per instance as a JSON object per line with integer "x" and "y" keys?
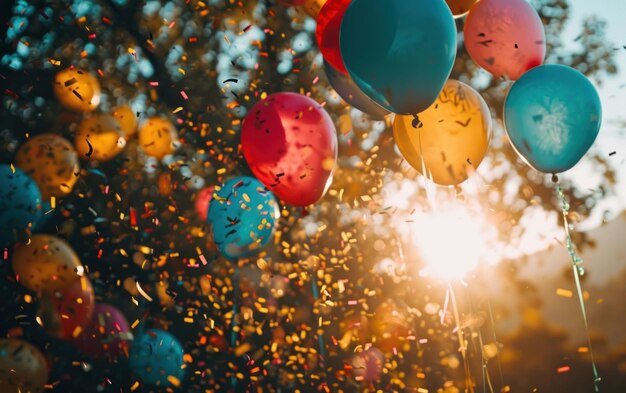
{"x": 484, "y": 362}
{"x": 579, "y": 270}
{"x": 233, "y": 321}
{"x": 462, "y": 348}
{"x": 495, "y": 340}
{"x": 316, "y": 295}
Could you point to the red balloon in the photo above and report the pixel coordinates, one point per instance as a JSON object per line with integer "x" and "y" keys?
{"x": 327, "y": 33}
{"x": 505, "y": 37}
{"x": 203, "y": 198}
{"x": 66, "y": 312}
{"x": 290, "y": 144}
{"x": 107, "y": 334}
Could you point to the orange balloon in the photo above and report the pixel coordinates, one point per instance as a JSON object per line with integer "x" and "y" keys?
{"x": 127, "y": 118}
{"x": 460, "y": 7}
{"x": 66, "y": 312}
{"x": 313, "y": 7}
{"x": 452, "y": 135}
{"x": 158, "y": 137}
{"x": 22, "y": 367}
{"x": 99, "y": 137}
{"x": 47, "y": 263}
{"x": 52, "y": 162}
{"x": 77, "y": 90}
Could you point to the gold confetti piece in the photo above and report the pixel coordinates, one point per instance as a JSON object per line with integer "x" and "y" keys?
{"x": 12, "y": 169}
{"x": 54, "y": 62}
{"x": 135, "y": 386}
{"x": 173, "y": 380}
{"x": 53, "y": 202}
{"x": 564, "y": 292}
{"x": 242, "y": 349}
{"x": 180, "y": 108}
{"x": 134, "y": 325}
{"x": 77, "y": 331}
{"x": 221, "y": 171}
{"x": 142, "y": 292}
{"x": 583, "y": 349}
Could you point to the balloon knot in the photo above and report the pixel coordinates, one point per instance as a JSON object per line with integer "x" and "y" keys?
{"x": 416, "y": 123}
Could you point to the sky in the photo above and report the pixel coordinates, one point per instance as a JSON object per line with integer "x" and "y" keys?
{"x": 612, "y": 137}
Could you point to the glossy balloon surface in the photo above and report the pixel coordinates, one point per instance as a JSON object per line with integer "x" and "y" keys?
{"x": 22, "y": 367}
{"x": 156, "y": 358}
{"x": 20, "y": 205}
{"x": 158, "y": 137}
{"x": 107, "y": 334}
{"x": 65, "y": 313}
{"x": 327, "y": 32}
{"x": 99, "y": 137}
{"x": 77, "y": 90}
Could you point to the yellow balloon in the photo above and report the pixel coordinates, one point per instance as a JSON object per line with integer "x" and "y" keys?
{"x": 22, "y": 367}
{"x": 460, "y": 7}
{"x": 313, "y": 7}
{"x": 47, "y": 263}
{"x": 452, "y": 137}
{"x": 77, "y": 90}
{"x": 127, "y": 118}
{"x": 99, "y": 137}
{"x": 158, "y": 137}
{"x": 52, "y": 162}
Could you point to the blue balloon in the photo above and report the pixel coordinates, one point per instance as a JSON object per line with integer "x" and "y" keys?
{"x": 20, "y": 204}
{"x": 552, "y": 116}
{"x": 399, "y": 52}
{"x": 350, "y": 92}
{"x": 156, "y": 355}
{"x": 243, "y": 214}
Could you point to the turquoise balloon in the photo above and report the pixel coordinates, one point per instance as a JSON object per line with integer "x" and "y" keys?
{"x": 552, "y": 116}
{"x": 156, "y": 355}
{"x": 242, "y": 214}
{"x": 350, "y": 93}
{"x": 20, "y": 205}
{"x": 399, "y": 52}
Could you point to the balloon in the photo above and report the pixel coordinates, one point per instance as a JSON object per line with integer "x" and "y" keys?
{"x": 203, "y": 198}
{"x": 126, "y": 118}
{"x": 77, "y": 90}
{"x": 243, "y": 214}
{"x": 99, "y": 137}
{"x": 47, "y": 263}
{"x": 399, "y": 52}
{"x": 452, "y": 138}
{"x": 158, "y": 137}
{"x": 505, "y": 37}
{"x": 460, "y": 7}
{"x": 350, "y": 92}
{"x": 106, "y": 335}
{"x": 66, "y": 312}
{"x": 552, "y": 116}
{"x": 327, "y": 32}
{"x": 52, "y": 162}
{"x": 290, "y": 144}
{"x": 368, "y": 364}
{"x": 20, "y": 204}
{"x": 313, "y": 7}
{"x": 22, "y": 367}
{"x": 156, "y": 358}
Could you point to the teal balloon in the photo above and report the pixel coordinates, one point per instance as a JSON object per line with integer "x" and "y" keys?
{"x": 552, "y": 116}
{"x": 242, "y": 215}
{"x": 156, "y": 355}
{"x": 20, "y": 205}
{"x": 399, "y": 52}
{"x": 352, "y": 94}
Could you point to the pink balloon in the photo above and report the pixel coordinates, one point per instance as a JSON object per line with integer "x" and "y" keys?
{"x": 505, "y": 37}
{"x": 290, "y": 144}
{"x": 106, "y": 336}
{"x": 203, "y": 198}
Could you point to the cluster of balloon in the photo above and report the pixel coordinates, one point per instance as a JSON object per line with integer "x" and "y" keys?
{"x": 368, "y": 365}
{"x": 242, "y": 215}
{"x": 67, "y": 311}
{"x": 52, "y": 162}
{"x": 460, "y": 7}
{"x": 156, "y": 358}
{"x": 451, "y": 138}
{"x": 290, "y": 143}
{"x": 22, "y": 367}
{"x": 350, "y": 93}
{"x": 20, "y": 204}
{"x": 77, "y": 90}
{"x": 99, "y": 137}
{"x": 385, "y": 56}
{"x": 203, "y": 199}
{"x": 505, "y": 37}
{"x": 107, "y": 334}
{"x": 552, "y": 116}
{"x": 47, "y": 263}
{"x": 126, "y": 118}
{"x": 158, "y": 137}
{"x": 327, "y": 32}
